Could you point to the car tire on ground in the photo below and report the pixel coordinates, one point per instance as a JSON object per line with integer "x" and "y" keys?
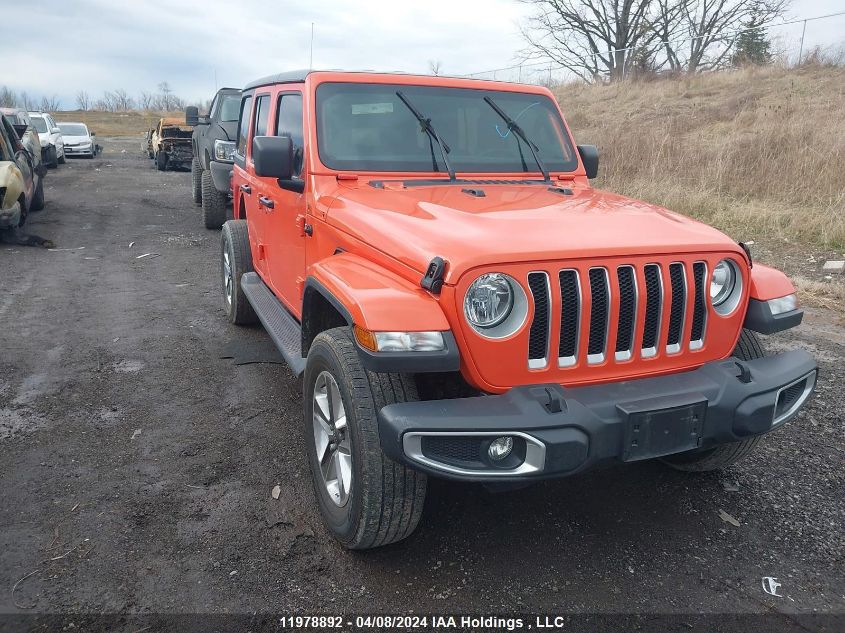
{"x": 213, "y": 202}
{"x": 196, "y": 181}
{"x": 747, "y": 348}
{"x": 38, "y": 197}
{"x": 161, "y": 161}
{"x": 62, "y": 160}
{"x": 235, "y": 260}
{"x": 366, "y": 499}
{"x": 52, "y": 157}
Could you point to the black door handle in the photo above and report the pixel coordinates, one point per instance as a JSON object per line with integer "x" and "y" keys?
{"x": 266, "y": 202}
{"x": 246, "y": 189}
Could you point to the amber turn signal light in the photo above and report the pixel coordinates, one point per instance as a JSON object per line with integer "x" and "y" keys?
{"x": 365, "y": 338}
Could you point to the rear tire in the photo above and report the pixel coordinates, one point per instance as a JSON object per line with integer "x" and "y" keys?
{"x": 161, "y": 161}
{"x": 747, "y": 348}
{"x": 38, "y": 197}
{"x": 235, "y": 260}
{"x": 384, "y": 499}
{"x": 213, "y": 202}
{"x": 196, "y": 182}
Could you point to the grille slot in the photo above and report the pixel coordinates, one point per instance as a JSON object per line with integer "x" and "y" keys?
{"x": 699, "y": 312}
{"x": 653, "y": 309}
{"x": 678, "y": 307}
{"x": 570, "y": 317}
{"x": 627, "y": 312}
{"x": 538, "y": 340}
{"x": 599, "y": 315}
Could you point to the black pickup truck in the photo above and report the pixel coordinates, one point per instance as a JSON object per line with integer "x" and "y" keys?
{"x": 213, "y": 142}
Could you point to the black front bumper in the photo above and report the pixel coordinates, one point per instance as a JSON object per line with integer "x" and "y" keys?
{"x": 558, "y": 431}
{"x": 221, "y": 175}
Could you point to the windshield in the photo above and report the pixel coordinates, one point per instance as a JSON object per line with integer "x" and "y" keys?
{"x": 230, "y": 108}
{"x": 39, "y": 124}
{"x": 366, "y": 127}
{"x": 73, "y": 129}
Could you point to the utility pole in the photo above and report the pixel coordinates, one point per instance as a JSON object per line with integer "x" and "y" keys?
{"x": 311, "y": 61}
{"x": 801, "y": 48}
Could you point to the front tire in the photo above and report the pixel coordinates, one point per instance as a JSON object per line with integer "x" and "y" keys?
{"x": 62, "y": 160}
{"x": 213, "y": 203}
{"x": 235, "y": 260}
{"x": 196, "y": 182}
{"x": 747, "y": 348}
{"x": 366, "y": 499}
{"x": 161, "y": 161}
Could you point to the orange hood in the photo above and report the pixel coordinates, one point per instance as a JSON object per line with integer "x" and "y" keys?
{"x": 512, "y": 223}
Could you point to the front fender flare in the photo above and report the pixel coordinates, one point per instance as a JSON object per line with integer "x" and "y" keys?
{"x": 378, "y": 300}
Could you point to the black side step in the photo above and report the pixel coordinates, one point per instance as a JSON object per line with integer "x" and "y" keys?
{"x": 280, "y": 325}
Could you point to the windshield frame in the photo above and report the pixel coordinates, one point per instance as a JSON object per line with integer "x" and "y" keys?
{"x": 569, "y": 161}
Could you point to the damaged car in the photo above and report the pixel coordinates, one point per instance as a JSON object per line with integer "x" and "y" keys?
{"x": 171, "y": 144}
{"x": 18, "y": 191}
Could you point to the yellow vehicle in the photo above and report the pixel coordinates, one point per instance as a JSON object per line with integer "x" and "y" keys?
{"x": 18, "y": 192}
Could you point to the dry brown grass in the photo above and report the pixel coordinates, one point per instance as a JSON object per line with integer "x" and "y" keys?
{"x": 758, "y": 153}
{"x": 824, "y": 294}
{"x": 116, "y": 123}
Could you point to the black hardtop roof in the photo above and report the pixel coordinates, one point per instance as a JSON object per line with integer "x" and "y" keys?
{"x": 290, "y": 77}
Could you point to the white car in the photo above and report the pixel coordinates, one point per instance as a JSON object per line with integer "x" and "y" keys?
{"x": 79, "y": 141}
{"x": 52, "y": 144}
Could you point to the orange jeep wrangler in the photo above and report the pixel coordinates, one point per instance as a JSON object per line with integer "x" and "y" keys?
{"x": 429, "y": 254}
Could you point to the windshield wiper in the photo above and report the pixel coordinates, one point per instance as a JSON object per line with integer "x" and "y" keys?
{"x": 513, "y": 126}
{"x": 428, "y": 128}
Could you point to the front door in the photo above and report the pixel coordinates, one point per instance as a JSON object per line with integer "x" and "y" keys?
{"x": 286, "y": 212}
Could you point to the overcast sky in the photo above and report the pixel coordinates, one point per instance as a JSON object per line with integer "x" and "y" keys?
{"x": 63, "y": 46}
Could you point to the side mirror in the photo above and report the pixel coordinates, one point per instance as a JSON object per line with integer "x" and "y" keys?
{"x": 55, "y": 130}
{"x": 192, "y": 115}
{"x": 20, "y": 128}
{"x": 273, "y": 157}
{"x": 590, "y": 158}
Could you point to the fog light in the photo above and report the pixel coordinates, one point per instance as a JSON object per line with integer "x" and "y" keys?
{"x": 500, "y": 448}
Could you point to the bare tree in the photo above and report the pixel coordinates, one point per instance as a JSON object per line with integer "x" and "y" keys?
{"x": 435, "y": 66}
{"x": 165, "y": 97}
{"x": 708, "y": 29}
{"x": 83, "y": 100}
{"x": 26, "y": 102}
{"x": 51, "y": 104}
{"x": 145, "y": 100}
{"x": 592, "y": 38}
{"x": 122, "y": 100}
{"x": 8, "y": 98}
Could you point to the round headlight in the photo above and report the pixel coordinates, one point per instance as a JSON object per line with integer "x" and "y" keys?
{"x": 722, "y": 282}
{"x": 489, "y": 300}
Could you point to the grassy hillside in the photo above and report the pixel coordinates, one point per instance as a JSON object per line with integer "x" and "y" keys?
{"x": 115, "y": 123}
{"x": 759, "y": 153}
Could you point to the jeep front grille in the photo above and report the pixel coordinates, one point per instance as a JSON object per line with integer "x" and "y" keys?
{"x": 677, "y": 287}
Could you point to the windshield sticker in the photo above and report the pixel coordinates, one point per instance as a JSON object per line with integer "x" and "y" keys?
{"x": 372, "y": 108}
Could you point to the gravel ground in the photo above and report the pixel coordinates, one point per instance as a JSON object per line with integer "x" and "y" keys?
{"x": 136, "y": 465}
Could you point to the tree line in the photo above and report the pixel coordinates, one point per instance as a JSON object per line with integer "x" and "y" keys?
{"x": 119, "y": 100}
{"x": 609, "y": 39}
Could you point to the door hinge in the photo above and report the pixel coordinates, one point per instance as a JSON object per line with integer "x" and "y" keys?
{"x": 303, "y": 226}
